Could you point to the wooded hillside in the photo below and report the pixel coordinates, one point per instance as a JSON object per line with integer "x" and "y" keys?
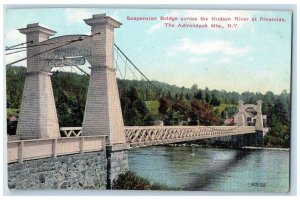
{"x": 143, "y": 102}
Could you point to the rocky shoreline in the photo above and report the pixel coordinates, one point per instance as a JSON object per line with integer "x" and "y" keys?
{"x": 216, "y": 146}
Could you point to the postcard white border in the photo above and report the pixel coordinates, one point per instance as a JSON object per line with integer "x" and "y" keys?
{"x": 259, "y": 5}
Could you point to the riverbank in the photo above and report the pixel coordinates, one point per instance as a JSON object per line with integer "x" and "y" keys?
{"x": 224, "y": 146}
{"x": 265, "y": 148}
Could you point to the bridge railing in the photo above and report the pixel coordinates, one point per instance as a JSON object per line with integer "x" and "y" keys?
{"x": 152, "y": 135}
{"x": 138, "y": 136}
{"x": 71, "y": 131}
{"x": 20, "y": 150}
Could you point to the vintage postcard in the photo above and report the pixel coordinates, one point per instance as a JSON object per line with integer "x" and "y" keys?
{"x": 148, "y": 99}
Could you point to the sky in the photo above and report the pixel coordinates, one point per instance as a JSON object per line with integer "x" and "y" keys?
{"x": 255, "y": 56}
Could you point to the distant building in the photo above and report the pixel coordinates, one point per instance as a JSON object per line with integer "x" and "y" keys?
{"x": 250, "y": 115}
{"x": 229, "y": 122}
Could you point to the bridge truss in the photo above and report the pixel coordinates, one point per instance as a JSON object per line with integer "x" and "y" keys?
{"x": 142, "y": 136}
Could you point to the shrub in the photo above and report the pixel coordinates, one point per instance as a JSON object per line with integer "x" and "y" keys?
{"x": 131, "y": 181}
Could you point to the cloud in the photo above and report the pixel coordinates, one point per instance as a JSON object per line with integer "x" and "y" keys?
{"x": 14, "y": 57}
{"x": 14, "y": 37}
{"x": 115, "y": 16}
{"x": 197, "y": 60}
{"x": 154, "y": 28}
{"x": 224, "y": 60}
{"x": 77, "y": 15}
{"x": 208, "y": 47}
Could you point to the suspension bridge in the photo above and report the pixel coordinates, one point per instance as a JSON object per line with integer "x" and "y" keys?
{"x": 43, "y": 147}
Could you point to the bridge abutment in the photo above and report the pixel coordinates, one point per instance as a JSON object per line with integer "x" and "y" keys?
{"x": 76, "y": 171}
{"x": 117, "y": 163}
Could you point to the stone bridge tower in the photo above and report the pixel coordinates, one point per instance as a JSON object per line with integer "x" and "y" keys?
{"x": 259, "y": 118}
{"x": 241, "y": 120}
{"x": 241, "y": 117}
{"x": 103, "y": 114}
{"x": 38, "y": 118}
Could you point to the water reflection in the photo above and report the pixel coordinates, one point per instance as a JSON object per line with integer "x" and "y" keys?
{"x": 212, "y": 169}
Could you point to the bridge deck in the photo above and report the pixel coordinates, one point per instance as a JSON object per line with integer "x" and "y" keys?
{"x": 139, "y": 136}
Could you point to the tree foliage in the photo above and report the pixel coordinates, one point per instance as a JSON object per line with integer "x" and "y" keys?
{"x": 176, "y": 104}
{"x": 15, "y": 80}
{"x": 135, "y": 112}
{"x": 70, "y": 92}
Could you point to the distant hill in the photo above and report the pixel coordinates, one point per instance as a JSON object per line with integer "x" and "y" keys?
{"x": 147, "y": 91}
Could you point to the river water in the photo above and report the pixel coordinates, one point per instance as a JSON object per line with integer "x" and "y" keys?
{"x": 213, "y": 169}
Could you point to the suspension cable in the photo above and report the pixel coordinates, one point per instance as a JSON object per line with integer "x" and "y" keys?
{"x": 70, "y": 42}
{"x": 157, "y": 88}
{"x": 15, "y": 52}
{"x": 32, "y": 46}
{"x": 11, "y": 47}
{"x": 36, "y": 45}
{"x": 39, "y": 53}
{"x": 135, "y": 66}
{"x": 118, "y": 69}
{"x": 81, "y": 70}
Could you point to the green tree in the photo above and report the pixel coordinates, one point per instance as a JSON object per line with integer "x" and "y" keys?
{"x": 15, "y": 80}
{"x": 182, "y": 107}
{"x": 214, "y": 100}
{"x": 70, "y": 91}
{"x": 135, "y": 112}
{"x": 199, "y": 95}
{"x": 163, "y": 106}
{"x": 231, "y": 110}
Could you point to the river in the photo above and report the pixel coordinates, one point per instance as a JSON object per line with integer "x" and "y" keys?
{"x": 213, "y": 169}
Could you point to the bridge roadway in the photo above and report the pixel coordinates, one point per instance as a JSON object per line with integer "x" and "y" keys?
{"x": 139, "y": 136}
{"x": 72, "y": 141}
